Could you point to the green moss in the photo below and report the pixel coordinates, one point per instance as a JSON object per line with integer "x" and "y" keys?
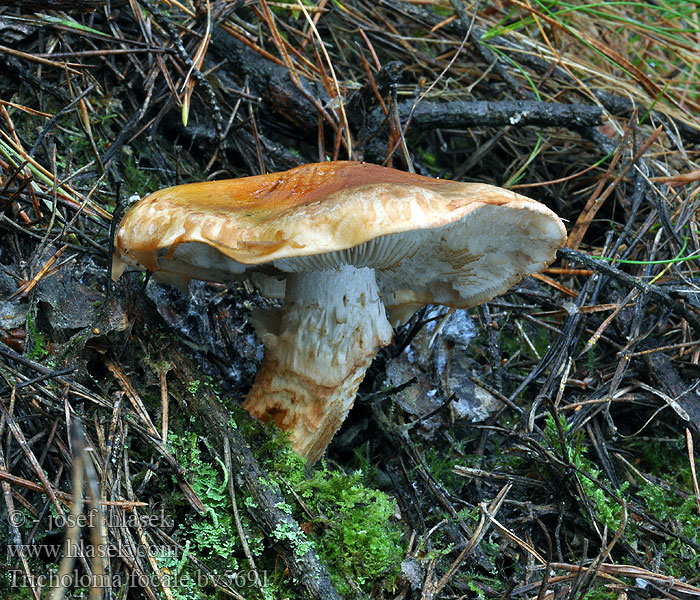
{"x": 665, "y": 457}
{"x": 607, "y": 510}
{"x": 37, "y": 346}
{"x": 351, "y": 526}
{"x": 427, "y": 157}
{"x": 289, "y": 531}
{"x": 681, "y": 516}
{"x": 212, "y": 538}
{"x": 355, "y": 533}
{"x": 216, "y": 534}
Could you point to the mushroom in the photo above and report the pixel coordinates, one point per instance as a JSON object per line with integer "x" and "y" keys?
{"x": 355, "y": 248}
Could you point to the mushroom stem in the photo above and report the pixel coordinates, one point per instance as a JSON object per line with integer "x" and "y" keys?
{"x": 316, "y": 354}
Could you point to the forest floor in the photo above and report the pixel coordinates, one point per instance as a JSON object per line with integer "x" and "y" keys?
{"x": 540, "y": 446}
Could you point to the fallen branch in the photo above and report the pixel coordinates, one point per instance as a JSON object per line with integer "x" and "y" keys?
{"x": 519, "y": 113}
{"x": 601, "y": 267}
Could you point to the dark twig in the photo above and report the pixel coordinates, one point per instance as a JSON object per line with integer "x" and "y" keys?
{"x": 68, "y": 6}
{"x": 44, "y": 377}
{"x": 652, "y": 290}
{"x": 165, "y": 23}
{"x": 518, "y": 113}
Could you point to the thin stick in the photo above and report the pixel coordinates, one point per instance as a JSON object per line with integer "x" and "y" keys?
{"x": 236, "y": 516}
{"x": 691, "y": 458}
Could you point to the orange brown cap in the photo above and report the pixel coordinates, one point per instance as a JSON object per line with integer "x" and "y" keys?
{"x": 430, "y": 240}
